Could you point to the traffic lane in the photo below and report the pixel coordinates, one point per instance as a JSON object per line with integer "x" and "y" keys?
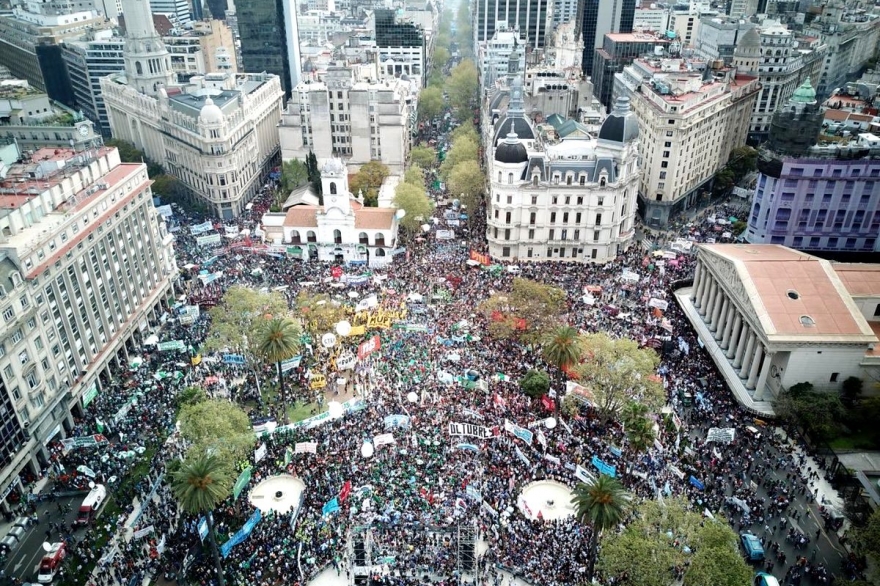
{"x": 24, "y": 562}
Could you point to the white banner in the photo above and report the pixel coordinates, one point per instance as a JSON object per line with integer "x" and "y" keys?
{"x": 367, "y": 303}
{"x": 260, "y": 453}
{"x": 210, "y": 240}
{"x": 143, "y": 532}
{"x": 231, "y": 231}
{"x": 722, "y": 435}
{"x": 445, "y": 235}
{"x": 346, "y": 361}
{"x": 383, "y": 439}
{"x": 658, "y": 303}
{"x": 165, "y": 211}
{"x": 470, "y": 430}
{"x": 201, "y": 228}
{"x": 306, "y": 448}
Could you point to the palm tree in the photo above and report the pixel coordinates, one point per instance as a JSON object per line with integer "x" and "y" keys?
{"x": 199, "y": 485}
{"x": 279, "y": 340}
{"x": 561, "y": 347}
{"x": 602, "y": 504}
{"x": 638, "y": 426}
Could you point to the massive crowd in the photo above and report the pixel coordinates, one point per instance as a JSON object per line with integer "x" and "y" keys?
{"x": 411, "y": 497}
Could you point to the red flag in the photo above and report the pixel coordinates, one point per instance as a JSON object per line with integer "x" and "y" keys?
{"x": 346, "y": 490}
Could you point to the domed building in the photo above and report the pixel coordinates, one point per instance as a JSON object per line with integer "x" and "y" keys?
{"x": 568, "y": 196}
{"x": 217, "y": 133}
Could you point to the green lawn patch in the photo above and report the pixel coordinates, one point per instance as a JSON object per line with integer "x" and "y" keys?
{"x": 855, "y": 441}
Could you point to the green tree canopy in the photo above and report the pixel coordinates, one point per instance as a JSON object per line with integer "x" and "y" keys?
{"x": 561, "y": 347}
{"x": 128, "y": 153}
{"x": 654, "y": 542}
{"x": 236, "y": 320}
{"x": 430, "y": 103}
{"x": 319, "y": 312}
{"x": 818, "y": 412}
{"x": 200, "y": 484}
{"x": 465, "y": 130}
{"x": 617, "y": 371}
{"x": 423, "y": 156}
{"x": 526, "y": 313}
{"x": 462, "y": 88}
{"x": 368, "y": 181}
{"x": 601, "y": 504}
{"x": 416, "y": 203}
{"x": 463, "y": 150}
{"x": 217, "y": 427}
{"x": 535, "y": 383}
{"x": 441, "y": 56}
{"x": 866, "y": 539}
{"x": 415, "y": 176}
{"x": 467, "y": 182}
{"x": 294, "y": 173}
{"x": 168, "y": 187}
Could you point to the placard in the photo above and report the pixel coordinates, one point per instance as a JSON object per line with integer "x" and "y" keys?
{"x": 173, "y": 345}
{"x": 383, "y": 439}
{"x": 143, "y": 532}
{"x": 260, "y": 453}
{"x": 470, "y": 430}
{"x": 306, "y": 448}
{"x": 209, "y": 240}
{"x": 368, "y": 347}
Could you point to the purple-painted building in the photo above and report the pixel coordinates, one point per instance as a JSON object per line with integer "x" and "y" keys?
{"x": 812, "y": 194}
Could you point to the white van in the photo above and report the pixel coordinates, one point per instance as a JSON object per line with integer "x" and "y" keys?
{"x": 90, "y": 506}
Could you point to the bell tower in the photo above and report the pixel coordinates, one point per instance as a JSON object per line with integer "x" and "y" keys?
{"x": 147, "y": 62}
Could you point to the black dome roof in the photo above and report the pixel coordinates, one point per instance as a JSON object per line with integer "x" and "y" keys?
{"x": 621, "y": 125}
{"x": 511, "y": 152}
{"x": 518, "y": 126}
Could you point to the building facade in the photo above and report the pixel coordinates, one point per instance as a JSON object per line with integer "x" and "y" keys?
{"x": 569, "y": 198}
{"x": 217, "y": 134}
{"x": 598, "y": 19}
{"x": 342, "y": 230}
{"x": 87, "y": 62}
{"x": 356, "y": 121}
{"x": 851, "y": 38}
{"x": 813, "y": 194}
{"x": 529, "y": 17}
{"x": 690, "y": 118}
{"x": 86, "y": 266}
{"x": 29, "y": 43}
{"x": 400, "y": 48}
{"x": 771, "y": 317}
{"x": 32, "y": 120}
{"x": 718, "y": 37}
{"x": 619, "y": 50}
{"x": 781, "y": 62}
{"x": 651, "y": 20}
{"x": 177, "y": 11}
{"x": 269, "y": 39}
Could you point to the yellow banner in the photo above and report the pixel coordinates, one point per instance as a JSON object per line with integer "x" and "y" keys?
{"x": 379, "y": 319}
{"x": 318, "y": 382}
{"x": 197, "y": 359}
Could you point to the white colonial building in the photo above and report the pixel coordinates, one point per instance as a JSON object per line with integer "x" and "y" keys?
{"x": 341, "y": 230}
{"x": 217, "y": 134}
{"x": 559, "y": 192}
{"x": 772, "y": 317}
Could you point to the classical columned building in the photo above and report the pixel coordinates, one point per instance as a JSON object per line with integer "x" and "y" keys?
{"x": 772, "y": 317}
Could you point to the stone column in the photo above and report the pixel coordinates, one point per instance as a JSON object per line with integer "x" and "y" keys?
{"x": 747, "y": 356}
{"x": 722, "y": 318}
{"x": 709, "y": 295}
{"x": 755, "y": 366}
{"x": 698, "y": 277}
{"x": 761, "y": 389}
{"x": 716, "y": 308}
{"x": 701, "y": 292}
{"x": 734, "y": 336}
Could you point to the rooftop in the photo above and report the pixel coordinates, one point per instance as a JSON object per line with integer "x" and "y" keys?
{"x": 860, "y": 280}
{"x": 794, "y": 294}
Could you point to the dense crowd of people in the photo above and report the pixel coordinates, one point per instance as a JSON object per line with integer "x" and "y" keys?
{"x": 410, "y": 499}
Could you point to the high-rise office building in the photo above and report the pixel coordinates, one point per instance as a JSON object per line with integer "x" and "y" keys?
{"x": 598, "y": 19}
{"x": 401, "y": 47}
{"x": 270, "y": 40}
{"x": 529, "y": 17}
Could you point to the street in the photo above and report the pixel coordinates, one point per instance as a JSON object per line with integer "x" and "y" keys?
{"x": 24, "y": 562}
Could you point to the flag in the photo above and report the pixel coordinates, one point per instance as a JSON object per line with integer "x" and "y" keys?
{"x": 346, "y": 490}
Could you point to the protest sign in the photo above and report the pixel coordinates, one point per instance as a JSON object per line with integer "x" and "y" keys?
{"x": 383, "y": 439}
{"x": 470, "y": 430}
{"x": 306, "y": 448}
